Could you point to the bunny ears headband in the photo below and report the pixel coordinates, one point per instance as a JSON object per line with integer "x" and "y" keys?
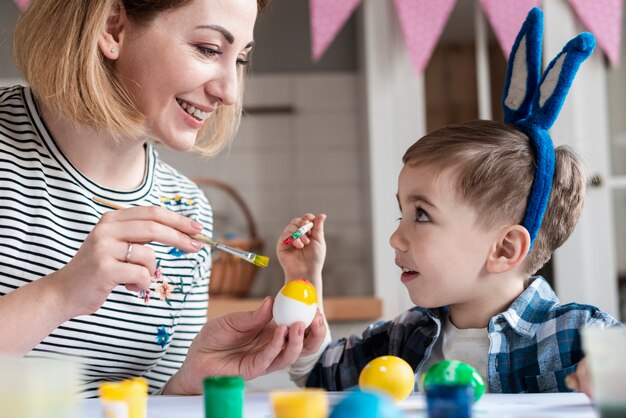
{"x": 533, "y": 104}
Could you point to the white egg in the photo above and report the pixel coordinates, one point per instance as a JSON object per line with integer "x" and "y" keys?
{"x": 288, "y": 311}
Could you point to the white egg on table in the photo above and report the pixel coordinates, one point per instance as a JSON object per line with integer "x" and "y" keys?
{"x": 295, "y": 302}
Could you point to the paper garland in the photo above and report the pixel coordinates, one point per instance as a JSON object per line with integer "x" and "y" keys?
{"x": 603, "y": 18}
{"x": 422, "y": 22}
{"x": 506, "y": 18}
{"x": 22, "y": 4}
{"x": 327, "y": 19}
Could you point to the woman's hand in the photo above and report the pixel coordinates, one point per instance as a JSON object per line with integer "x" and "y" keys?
{"x": 113, "y": 254}
{"x": 580, "y": 380}
{"x": 304, "y": 257}
{"x": 247, "y": 344}
{"x": 314, "y": 335}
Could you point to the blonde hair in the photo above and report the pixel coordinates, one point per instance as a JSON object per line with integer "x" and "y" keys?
{"x": 495, "y": 165}
{"x": 56, "y": 48}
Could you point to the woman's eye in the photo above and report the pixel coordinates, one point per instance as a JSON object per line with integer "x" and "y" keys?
{"x": 422, "y": 215}
{"x": 208, "y": 52}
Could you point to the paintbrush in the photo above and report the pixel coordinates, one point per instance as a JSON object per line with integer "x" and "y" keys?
{"x": 298, "y": 233}
{"x": 256, "y": 259}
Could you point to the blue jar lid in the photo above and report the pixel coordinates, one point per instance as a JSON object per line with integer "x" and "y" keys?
{"x": 449, "y": 401}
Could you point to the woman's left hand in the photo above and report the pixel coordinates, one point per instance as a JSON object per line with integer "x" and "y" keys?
{"x": 247, "y": 344}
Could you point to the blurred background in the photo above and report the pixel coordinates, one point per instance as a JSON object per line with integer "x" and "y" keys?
{"x": 328, "y": 136}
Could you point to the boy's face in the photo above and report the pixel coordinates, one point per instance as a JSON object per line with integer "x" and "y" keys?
{"x": 439, "y": 245}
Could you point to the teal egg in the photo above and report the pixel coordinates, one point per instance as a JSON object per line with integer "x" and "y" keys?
{"x": 454, "y": 372}
{"x": 365, "y": 404}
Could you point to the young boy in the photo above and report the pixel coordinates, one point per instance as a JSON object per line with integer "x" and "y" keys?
{"x": 484, "y": 205}
{"x": 465, "y": 261}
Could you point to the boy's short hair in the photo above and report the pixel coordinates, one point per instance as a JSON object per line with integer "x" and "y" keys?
{"x": 56, "y": 48}
{"x": 495, "y": 165}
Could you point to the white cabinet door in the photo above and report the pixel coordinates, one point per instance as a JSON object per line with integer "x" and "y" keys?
{"x": 584, "y": 267}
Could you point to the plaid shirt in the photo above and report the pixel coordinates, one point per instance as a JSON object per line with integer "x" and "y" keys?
{"x": 533, "y": 345}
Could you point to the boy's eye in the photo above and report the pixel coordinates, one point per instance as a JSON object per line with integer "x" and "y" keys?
{"x": 421, "y": 215}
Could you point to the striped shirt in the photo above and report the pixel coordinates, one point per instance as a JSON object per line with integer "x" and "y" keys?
{"x": 46, "y": 212}
{"x": 533, "y": 346}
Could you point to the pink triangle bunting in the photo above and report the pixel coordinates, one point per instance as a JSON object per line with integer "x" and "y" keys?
{"x": 603, "y": 18}
{"x": 327, "y": 19}
{"x": 506, "y": 18}
{"x": 22, "y": 4}
{"x": 422, "y": 22}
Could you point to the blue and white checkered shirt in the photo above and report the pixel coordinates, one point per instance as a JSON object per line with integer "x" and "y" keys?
{"x": 533, "y": 345}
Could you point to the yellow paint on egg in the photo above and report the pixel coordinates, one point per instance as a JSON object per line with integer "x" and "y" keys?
{"x": 301, "y": 290}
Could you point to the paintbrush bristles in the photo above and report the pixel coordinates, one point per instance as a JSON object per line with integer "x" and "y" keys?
{"x": 261, "y": 261}
{"x": 257, "y": 260}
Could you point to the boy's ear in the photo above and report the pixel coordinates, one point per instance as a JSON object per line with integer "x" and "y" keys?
{"x": 510, "y": 250}
{"x": 112, "y": 35}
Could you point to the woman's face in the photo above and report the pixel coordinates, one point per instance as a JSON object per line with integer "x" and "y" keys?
{"x": 183, "y": 65}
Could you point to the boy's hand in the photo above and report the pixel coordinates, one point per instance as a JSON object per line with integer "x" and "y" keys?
{"x": 580, "y": 380}
{"x": 304, "y": 257}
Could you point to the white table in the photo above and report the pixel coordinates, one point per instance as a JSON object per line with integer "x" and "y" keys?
{"x": 557, "y": 405}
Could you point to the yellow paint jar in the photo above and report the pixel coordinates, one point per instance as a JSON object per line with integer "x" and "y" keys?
{"x": 125, "y": 399}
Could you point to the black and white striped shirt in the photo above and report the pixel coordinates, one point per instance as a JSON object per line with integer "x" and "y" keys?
{"x": 46, "y": 212}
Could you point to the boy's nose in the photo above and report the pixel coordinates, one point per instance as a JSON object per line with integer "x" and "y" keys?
{"x": 396, "y": 241}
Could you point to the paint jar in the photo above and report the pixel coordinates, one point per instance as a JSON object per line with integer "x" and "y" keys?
{"x": 449, "y": 401}
{"x": 38, "y": 388}
{"x": 302, "y": 403}
{"x": 113, "y": 400}
{"x": 125, "y": 399}
{"x": 605, "y": 350}
{"x": 223, "y": 397}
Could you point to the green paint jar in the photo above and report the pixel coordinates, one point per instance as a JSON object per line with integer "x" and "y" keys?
{"x": 223, "y": 397}
{"x": 454, "y": 372}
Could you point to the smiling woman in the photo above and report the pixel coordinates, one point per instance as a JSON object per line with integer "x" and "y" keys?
{"x": 125, "y": 291}
{"x": 94, "y": 92}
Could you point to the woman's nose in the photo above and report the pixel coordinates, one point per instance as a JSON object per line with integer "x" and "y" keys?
{"x": 225, "y": 85}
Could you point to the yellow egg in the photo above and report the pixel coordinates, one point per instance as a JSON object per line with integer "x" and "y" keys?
{"x": 389, "y": 374}
{"x": 295, "y": 302}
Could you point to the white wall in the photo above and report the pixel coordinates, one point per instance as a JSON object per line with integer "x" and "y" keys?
{"x": 617, "y": 110}
{"x": 8, "y": 17}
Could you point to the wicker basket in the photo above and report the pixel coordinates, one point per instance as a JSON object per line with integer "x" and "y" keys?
{"x": 230, "y": 275}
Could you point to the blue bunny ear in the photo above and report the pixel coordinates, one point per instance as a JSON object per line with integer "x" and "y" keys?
{"x": 545, "y": 161}
{"x": 524, "y": 69}
{"x": 534, "y": 105}
{"x": 547, "y": 102}
{"x": 558, "y": 78}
